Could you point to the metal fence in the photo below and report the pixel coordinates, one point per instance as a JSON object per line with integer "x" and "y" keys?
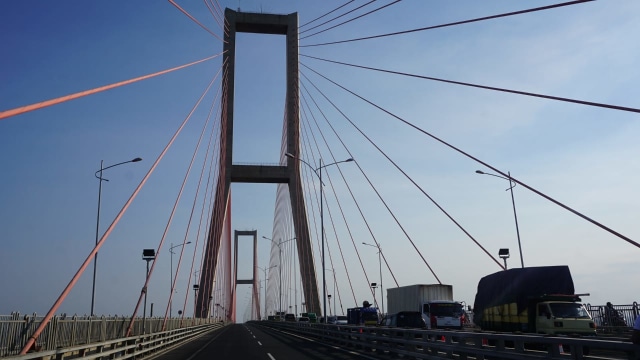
{"x": 386, "y": 342}
{"x": 614, "y": 319}
{"x": 63, "y": 331}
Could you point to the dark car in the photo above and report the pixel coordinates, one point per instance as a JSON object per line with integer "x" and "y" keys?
{"x": 408, "y": 319}
{"x": 290, "y": 317}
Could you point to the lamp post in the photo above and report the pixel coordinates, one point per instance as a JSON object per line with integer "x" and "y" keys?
{"x": 95, "y": 257}
{"x": 504, "y": 254}
{"x": 147, "y": 255}
{"x": 265, "y": 285}
{"x": 318, "y": 172}
{"x": 334, "y": 293}
{"x": 380, "y": 263}
{"x": 374, "y": 286}
{"x": 171, "y": 269}
{"x": 279, "y": 244}
{"x": 195, "y": 297}
{"x": 512, "y": 184}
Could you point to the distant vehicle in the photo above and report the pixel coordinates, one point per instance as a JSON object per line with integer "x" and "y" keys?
{"x": 434, "y": 301}
{"x": 312, "y": 317}
{"x": 405, "y": 319}
{"x": 332, "y": 320}
{"x": 341, "y": 320}
{"x": 364, "y": 315}
{"x": 303, "y": 319}
{"x": 290, "y": 317}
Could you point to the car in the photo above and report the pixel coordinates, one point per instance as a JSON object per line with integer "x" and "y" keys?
{"x": 341, "y": 320}
{"x": 332, "y": 320}
{"x": 406, "y": 319}
{"x": 289, "y": 317}
{"x": 303, "y": 319}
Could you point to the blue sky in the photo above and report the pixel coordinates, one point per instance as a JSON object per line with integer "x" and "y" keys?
{"x": 583, "y": 156}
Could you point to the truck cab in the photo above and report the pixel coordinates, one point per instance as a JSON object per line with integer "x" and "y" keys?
{"x": 560, "y": 314}
{"x": 443, "y": 314}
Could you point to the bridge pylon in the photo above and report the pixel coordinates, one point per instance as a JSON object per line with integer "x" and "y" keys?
{"x": 287, "y": 174}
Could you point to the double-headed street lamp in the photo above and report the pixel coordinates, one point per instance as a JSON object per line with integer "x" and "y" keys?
{"x": 171, "y": 269}
{"x": 279, "y": 244}
{"x": 265, "y": 285}
{"x": 318, "y": 172}
{"x": 95, "y": 257}
{"x": 512, "y": 184}
{"x": 379, "y": 262}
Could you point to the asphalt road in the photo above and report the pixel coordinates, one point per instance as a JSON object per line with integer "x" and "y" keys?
{"x": 247, "y": 341}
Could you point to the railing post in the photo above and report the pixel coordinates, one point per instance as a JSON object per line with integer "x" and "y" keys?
{"x": 24, "y": 332}
{"x": 74, "y": 322}
{"x": 51, "y": 331}
{"x": 89, "y": 324}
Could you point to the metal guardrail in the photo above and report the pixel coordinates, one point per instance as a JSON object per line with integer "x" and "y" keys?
{"x": 607, "y": 322}
{"x": 134, "y": 347}
{"x": 64, "y": 332}
{"x": 433, "y": 344}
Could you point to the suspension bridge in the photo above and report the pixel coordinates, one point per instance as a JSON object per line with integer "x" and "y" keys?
{"x": 373, "y": 169}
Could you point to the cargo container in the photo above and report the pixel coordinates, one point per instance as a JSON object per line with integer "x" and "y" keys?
{"x": 365, "y": 315}
{"x": 434, "y": 301}
{"x": 534, "y": 300}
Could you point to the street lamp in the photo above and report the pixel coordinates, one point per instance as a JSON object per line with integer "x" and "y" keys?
{"x": 380, "y": 263}
{"x": 147, "y": 255}
{"x": 95, "y": 257}
{"x": 171, "y": 269}
{"x": 318, "y": 172}
{"x": 195, "y": 297}
{"x": 334, "y": 301}
{"x": 512, "y": 184}
{"x": 374, "y": 287}
{"x": 504, "y": 255}
{"x": 279, "y": 244}
{"x": 265, "y": 285}
{"x": 334, "y": 293}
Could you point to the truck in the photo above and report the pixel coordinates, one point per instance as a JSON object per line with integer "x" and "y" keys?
{"x": 532, "y": 300}
{"x": 434, "y": 302}
{"x": 363, "y": 315}
{"x": 313, "y": 318}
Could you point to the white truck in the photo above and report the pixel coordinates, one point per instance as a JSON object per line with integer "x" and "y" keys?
{"x": 434, "y": 301}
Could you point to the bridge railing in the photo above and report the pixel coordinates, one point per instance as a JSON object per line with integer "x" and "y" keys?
{"x": 133, "y": 347}
{"x": 63, "y": 331}
{"x": 607, "y": 322}
{"x": 430, "y": 344}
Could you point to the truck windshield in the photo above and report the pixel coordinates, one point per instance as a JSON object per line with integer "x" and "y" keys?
{"x": 445, "y": 309}
{"x": 569, "y": 310}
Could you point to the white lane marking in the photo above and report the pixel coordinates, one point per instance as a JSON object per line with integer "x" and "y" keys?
{"x": 205, "y": 345}
{"x": 271, "y": 357}
{"x": 259, "y": 343}
{"x": 254, "y": 336}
